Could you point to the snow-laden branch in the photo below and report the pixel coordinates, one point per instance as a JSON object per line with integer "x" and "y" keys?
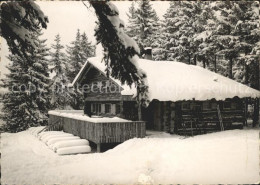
{"x": 121, "y": 52}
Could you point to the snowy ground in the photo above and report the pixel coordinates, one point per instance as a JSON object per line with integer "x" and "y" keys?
{"x": 224, "y": 157}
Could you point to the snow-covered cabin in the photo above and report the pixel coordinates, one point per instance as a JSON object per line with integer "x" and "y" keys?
{"x": 183, "y": 98}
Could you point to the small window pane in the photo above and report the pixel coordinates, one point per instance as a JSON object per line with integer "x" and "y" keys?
{"x": 107, "y": 108}
{"x": 117, "y": 108}
{"x": 206, "y": 105}
{"x": 99, "y": 108}
{"x": 186, "y": 106}
{"x": 227, "y": 105}
{"x": 96, "y": 108}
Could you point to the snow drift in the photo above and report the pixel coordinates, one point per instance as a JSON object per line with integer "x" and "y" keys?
{"x": 36, "y": 130}
{"x": 228, "y": 157}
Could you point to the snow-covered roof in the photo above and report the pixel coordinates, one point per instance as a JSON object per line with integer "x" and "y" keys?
{"x": 100, "y": 65}
{"x": 176, "y": 81}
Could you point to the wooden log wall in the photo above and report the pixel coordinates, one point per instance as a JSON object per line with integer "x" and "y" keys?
{"x": 199, "y": 119}
{"x": 208, "y": 121}
{"x": 164, "y": 115}
{"x": 114, "y": 132}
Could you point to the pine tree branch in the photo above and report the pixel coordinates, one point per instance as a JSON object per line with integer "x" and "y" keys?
{"x": 85, "y": 4}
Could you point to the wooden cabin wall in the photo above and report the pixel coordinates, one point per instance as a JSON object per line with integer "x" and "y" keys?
{"x": 160, "y": 116}
{"x": 157, "y": 116}
{"x": 96, "y": 77}
{"x": 236, "y": 114}
{"x": 172, "y": 117}
{"x": 130, "y": 110}
{"x": 198, "y": 117}
{"x": 202, "y": 116}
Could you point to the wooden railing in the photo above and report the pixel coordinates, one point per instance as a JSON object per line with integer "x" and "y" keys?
{"x": 107, "y": 132}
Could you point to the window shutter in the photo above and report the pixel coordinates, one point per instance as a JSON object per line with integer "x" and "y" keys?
{"x": 92, "y": 107}
{"x": 102, "y": 108}
{"x": 113, "y": 109}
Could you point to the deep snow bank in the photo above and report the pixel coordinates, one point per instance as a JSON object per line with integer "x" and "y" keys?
{"x": 224, "y": 157}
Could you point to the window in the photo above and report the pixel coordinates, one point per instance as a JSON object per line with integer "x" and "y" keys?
{"x": 196, "y": 106}
{"x": 96, "y": 108}
{"x": 214, "y": 105}
{"x": 185, "y": 106}
{"x": 206, "y": 105}
{"x": 227, "y": 105}
{"x": 107, "y": 108}
{"x": 118, "y": 108}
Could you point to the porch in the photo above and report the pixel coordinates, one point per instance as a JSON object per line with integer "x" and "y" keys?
{"x": 99, "y": 130}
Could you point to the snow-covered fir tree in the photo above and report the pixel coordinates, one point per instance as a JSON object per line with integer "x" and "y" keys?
{"x": 86, "y": 47}
{"x": 206, "y": 49}
{"x": 74, "y": 60}
{"x": 227, "y": 42}
{"x": 143, "y": 24}
{"x": 132, "y": 27}
{"x": 247, "y": 29}
{"x": 27, "y": 101}
{"x": 78, "y": 53}
{"x": 179, "y": 26}
{"x": 159, "y": 51}
{"x": 59, "y": 82}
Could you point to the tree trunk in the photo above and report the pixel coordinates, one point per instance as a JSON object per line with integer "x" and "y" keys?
{"x": 207, "y": 62}
{"x": 230, "y": 74}
{"x": 139, "y": 112}
{"x": 246, "y": 73}
{"x": 195, "y": 60}
{"x": 204, "y": 63}
{"x": 256, "y": 103}
{"x": 246, "y": 111}
{"x": 215, "y": 64}
{"x": 256, "y": 112}
{"x": 189, "y": 59}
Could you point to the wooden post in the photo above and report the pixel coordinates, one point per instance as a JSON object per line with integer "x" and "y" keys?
{"x": 204, "y": 63}
{"x": 87, "y": 108}
{"x": 98, "y": 147}
{"x": 246, "y": 110}
{"x": 256, "y": 112}
{"x": 220, "y": 118}
{"x": 139, "y": 112}
{"x": 191, "y": 127}
{"x": 139, "y": 104}
{"x": 230, "y": 74}
{"x": 195, "y": 60}
{"x": 172, "y": 117}
{"x": 121, "y": 109}
{"x": 246, "y": 73}
{"x": 215, "y": 64}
